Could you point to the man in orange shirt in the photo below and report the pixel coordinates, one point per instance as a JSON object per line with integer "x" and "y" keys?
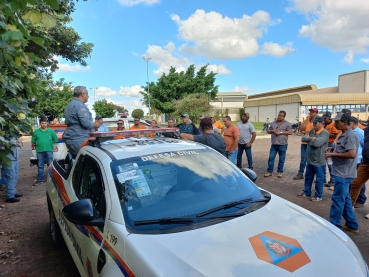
{"x": 217, "y": 124}
{"x": 137, "y": 126}
{"x": 305, "y": 128}
{"x": 231, "y": 139}
{"x": 120, "y": 127}
{"x": 333, "y": 134}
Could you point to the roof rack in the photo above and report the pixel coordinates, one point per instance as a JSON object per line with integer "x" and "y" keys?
{"x": 105, "y": 136}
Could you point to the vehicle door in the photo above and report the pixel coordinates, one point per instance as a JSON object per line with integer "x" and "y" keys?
{"x": 89, "y": 184}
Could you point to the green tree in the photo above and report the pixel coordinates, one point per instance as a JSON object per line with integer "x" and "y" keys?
{"x": 177, "y": 85}
{"x": 194, "y": 105}
{"x": 106, "y": 109}
{"x": 138, "y": 113}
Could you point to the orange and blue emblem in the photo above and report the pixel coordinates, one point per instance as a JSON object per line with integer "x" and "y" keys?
{"x": 279, "y": 250}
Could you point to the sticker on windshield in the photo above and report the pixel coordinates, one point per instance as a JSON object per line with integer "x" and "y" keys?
{"x": 124, "y": 176}
{"x": 168, "y": 154}
{"x": 128, "y": 167}
{"x": 140, "y": 185}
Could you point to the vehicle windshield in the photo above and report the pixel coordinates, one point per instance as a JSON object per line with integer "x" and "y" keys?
{"x": 177, "y": 184}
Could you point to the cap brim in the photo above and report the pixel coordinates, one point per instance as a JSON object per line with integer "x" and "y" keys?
{"x": 336, "y": 118}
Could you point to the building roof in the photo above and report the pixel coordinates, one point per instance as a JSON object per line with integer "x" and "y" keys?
{"x": 325, "y": 96}
{"x": 284, "y": 91}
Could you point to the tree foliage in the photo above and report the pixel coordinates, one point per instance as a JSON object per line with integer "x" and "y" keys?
{"x": 106, "y": 109}
{"x": 177, "y": 85}
{"x": 138, "y": 113}
{"x": 31, "y": 32}
{"x": 193, "y": 104}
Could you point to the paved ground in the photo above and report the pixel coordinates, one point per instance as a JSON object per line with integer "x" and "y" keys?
{"x": 24, "y": 233}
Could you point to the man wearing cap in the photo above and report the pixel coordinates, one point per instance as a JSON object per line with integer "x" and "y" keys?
{"x": 208, "y": 137}
{"x": 358, "y": 187}
{"x": 102, "y": 127}
{"x": 344, "y": 172}
{"x": 305, "y": 128}
{"x": 279, "y": 129}
{"x": 186, "y": 126}
{"x": 78, "y": 120}
{"x": 347, "y": 111}
{"x": 317, "y": 140}
{"x": 247, "y": 138}
{"x": 231, "y": 139}
{"x": 333, "y": 133}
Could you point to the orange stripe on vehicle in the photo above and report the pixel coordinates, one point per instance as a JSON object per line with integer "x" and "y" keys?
{"x": 281, "y": 238}
{"x": 127, "y": 269}
{"x": 295, "y": 262}
{"x": 60, "y": 183}
{"x": 260, "y": 249}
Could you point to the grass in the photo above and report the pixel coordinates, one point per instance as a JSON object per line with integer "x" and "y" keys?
{"x": 257, "y": 125}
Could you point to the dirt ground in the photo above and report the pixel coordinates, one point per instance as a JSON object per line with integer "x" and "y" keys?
{"x": 25, "y": 244}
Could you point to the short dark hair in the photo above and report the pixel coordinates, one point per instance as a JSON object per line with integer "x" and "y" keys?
{"x": 171, "y": 119}
{"x": 137, "y": 118}
{"x": 283, "y": 113}
{"x": 43, "y": 119}
{"x": 228, "y": 117}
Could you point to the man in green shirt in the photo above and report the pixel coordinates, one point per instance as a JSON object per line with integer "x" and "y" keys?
{"x": 43, "y": 139}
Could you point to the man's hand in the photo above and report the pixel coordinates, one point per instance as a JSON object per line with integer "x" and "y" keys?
{"x": 248, "y": 145}
{"x": 276, "y": 132}
{"x": 96, "y": 125}
{"x": 312, "y": 138}
{"x": 328, "y": 155}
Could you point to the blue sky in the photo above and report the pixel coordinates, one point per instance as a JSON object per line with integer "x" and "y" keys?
{"x": 255, "y": 46}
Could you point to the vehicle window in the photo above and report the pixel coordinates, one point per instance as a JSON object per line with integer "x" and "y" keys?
{"x": 76, "y": 173}
{"x": 177, "y": 184}
{"x": 91, "y": 186}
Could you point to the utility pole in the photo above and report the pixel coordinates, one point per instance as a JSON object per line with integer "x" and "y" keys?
{"x": 147, "y": 60}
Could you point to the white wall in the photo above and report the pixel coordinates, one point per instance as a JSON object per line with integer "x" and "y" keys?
{"x": 267, "y": 112}
{"x": 353, "y": 82}
{"x": 292, "y": 110}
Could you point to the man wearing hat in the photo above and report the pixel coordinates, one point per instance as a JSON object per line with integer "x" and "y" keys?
{"x": 358, "y": 187}
{"x": 347, "y": 111}
{"x": 333, "y": 133}
{"x": 102, "y": 127}
{"x": 305, "y": 128}
{"x": 344, "y": 172}
{"x": 317, "y": 141}
{"x": 187, "y": 127}
{"x": 208, "y": 137}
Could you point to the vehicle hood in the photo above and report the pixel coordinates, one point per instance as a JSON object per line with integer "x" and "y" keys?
{"x": 232, "y": 248}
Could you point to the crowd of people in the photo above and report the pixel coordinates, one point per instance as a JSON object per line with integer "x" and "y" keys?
{"x": 339, "y": 145}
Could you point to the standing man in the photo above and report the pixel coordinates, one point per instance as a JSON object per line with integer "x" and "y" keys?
{"x": 43, "y": 140}
{"x": 305, "y": 128}
{"x": 103, "y": 127}
{"x": 11, "y": 172}
{"x": 120, "y": 127}
{"x": 317, "y": 140}
{"x": 347, "y": 111}
{"x": 333, "y": 133}
{"x": 78, "y": 120}
{"x": 231, "y": 139}
{"x": 187, "y": 127}
{"x": 280, "y": 130}
{"x": 357, "y": 191}
{"x": 343, "y": 171}
{"x": 247, "y": 137}
{"x": 208, "y": 137}
{"x": 170, "y": 134}
{"x": 137, "y": 126}
{"x": 219, "y": 127}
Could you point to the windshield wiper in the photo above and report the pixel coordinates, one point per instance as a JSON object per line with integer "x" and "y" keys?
{"x": 164, "y": 220}
{"x": 232, "y": 204}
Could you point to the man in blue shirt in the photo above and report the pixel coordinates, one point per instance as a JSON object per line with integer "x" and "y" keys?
{"x": 187, "y": 127}
{"x": 103, "y": 127}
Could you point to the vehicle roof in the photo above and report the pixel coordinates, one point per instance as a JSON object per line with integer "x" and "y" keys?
{"x": 142, "y": 146}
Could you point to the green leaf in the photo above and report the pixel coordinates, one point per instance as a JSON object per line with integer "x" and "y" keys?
{"x": 14, "y": 5}
{"x": 4, "y": 159}
{"x": 12, "y": 108}
{"x": 2, "y": 24}
{"x": 48, "y": 20}
{"x": 16, "y": 35}
{"x": 33, "y": 16}
{"x": 53, "y": 3}
{"x": 37, "y": 40}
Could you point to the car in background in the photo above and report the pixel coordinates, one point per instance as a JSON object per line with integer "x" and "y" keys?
{"x": 166, "y": 207}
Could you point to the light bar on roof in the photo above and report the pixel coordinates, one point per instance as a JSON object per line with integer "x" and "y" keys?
{"x": 133, "y": 132}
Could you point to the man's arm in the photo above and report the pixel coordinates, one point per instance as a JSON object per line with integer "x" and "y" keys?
{"x": 235, "y": 143}
{"x": 350, "y": 154}
{"x": 186, "y": 136}
{"x": 253, "y": 136}
{"x": 304, "y": 124}
{"x": 319, "y": 140}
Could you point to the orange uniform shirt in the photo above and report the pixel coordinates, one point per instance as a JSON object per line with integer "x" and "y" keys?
{"x": 139, "y": 128}
{"x": 118, "y": 137}
{"x": 229, "y": 136}
{"x": 361, "y": 126}
{"x": 218, "y": 125}
{"x": 308, "y": 127}
{"x": 332, "y": 130}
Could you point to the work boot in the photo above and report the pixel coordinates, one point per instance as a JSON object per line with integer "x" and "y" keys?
{"x": 298, "y": 177}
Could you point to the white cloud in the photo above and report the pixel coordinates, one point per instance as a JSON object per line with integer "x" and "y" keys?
{"x": 276, "y": 50}
{"x": 218, "y": 37}
{"x": 349, "y": 58}
{"x": 134, "y": 53}
{"x": 364, "y": 60}
{"x": 105, "y": 91}
{"x": 242, "y": 89}
{"x": 63, "y": 67}
{"x": 338, "y": 25}
{"x": 167, "y": 56}
{"x": 136, "y": 2}
{"x": 131, "y": 91}
{"x": 129, "y": 105}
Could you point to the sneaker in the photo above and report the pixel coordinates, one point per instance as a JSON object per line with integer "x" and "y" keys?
{"x": 331, "y": 188}
{"x": 38, "y": 183}
{"x": 329, "y": 184}
{"x": 251, "y": 168}
{"x": 302, "y": 195}
{"x": 347, "y": 228}
{"x": 267, "y": 174}
{"x": 298, "y": 177}
{"x": 358, "y": 205}
{"x": 315, "y": 199}
{"x": 279, "y": 175}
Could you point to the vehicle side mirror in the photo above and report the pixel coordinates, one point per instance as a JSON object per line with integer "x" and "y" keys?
{"x": 82, "y": 212}
{"x": 250, "y": 174}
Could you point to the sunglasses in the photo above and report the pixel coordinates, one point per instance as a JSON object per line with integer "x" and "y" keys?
{"x": 120, "y": 123}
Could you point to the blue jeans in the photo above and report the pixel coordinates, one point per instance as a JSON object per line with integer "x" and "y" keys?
{"x": 342, "y": 204}
{"x": 3, "y": 178}
{"x": 311, "y": 171}
{"x": 281, "y": 150}
{"x": 11, "y": 174}
{"x": 42, "y": 158}
{"x": 241, "y": 148}
{"x": 302, "y": 159}
{"x": 232, "y": 156}
{"x": 362, "y": 197}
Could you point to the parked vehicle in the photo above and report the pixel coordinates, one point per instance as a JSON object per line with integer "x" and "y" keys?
{"x": 266, "y": 126}
{"x": 296, "y": 127}
{"x": 167, "y": 207}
